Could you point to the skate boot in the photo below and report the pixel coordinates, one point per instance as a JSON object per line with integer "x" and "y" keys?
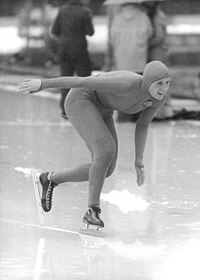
{"x": 93, "y": 223}
{"x": 47, "y": 190}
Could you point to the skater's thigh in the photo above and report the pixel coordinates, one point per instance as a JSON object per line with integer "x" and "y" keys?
{"x": 86, "y": 117}
{"x": 108, "y": 119}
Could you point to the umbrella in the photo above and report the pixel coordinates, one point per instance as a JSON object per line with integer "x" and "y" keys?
{"x": 121, "y": 2}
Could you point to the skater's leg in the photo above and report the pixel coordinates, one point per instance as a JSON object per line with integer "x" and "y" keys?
{"x": 100, "y": 136}
{"x": 89, "y": 123}
{"x": 81, "y": 172}
{"x": 92, "y": 216}
{"x": 104, "y": 150}
{"x": 103, "y": 163}
{"x": 111, "y": 127}
{"x": 77, "y": 174}
{"x": 101, "y": 149}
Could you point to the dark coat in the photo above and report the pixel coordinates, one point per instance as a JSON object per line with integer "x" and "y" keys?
{"x": 72, "y": 24}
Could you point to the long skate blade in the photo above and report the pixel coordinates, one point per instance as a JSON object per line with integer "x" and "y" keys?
{"x": 37, "y": 196}
{"x": 92, "y": 231}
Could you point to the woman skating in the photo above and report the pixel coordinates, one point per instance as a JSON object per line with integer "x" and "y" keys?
{"x": 89, "y": 107}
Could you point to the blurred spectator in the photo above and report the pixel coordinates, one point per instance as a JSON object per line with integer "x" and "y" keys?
{"x": 158, "y": 43}
{"x": 31, "y": 22}
{"x": 158, "y": 46}
{"x": 130, "y": 32}
{"x": 72, "y": 24}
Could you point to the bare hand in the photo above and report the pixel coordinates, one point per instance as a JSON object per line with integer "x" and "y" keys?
{"x": 29, "y": 86}
{"x": 140, "y": 175}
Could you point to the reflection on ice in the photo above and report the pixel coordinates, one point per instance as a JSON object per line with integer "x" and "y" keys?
{"x": 183, "y": 262}
{"x": 196, "y": 171}
{"x": 186, "y": 136}
{"x": 126, "y": 201}
{"x": 44, "y": 268}
{"x": 25, "y": 171}
{"x": 138, "y": 250}
{"x": 39, "y": 259}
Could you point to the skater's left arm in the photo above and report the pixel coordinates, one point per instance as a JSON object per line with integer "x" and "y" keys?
{"x": 141, "y": 132}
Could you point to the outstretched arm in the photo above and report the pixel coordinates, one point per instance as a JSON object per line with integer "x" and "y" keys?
{"x": 114, "y": 81}
{"x": 141, "y": 132}
{"x": 30, "y": 86}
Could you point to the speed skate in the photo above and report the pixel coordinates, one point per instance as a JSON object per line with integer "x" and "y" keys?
{"x": 37, "y": 192}
{"x": 93, "y": 225}
{"x": 92, "y": 230}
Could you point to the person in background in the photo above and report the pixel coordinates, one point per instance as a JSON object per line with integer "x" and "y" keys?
{"x": 130, "y": 32}
{"x": 158, "y": 46}
{"x": 72, "y": 24}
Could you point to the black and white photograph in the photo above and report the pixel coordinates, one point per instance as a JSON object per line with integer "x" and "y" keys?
{"x": 99, "y": 139}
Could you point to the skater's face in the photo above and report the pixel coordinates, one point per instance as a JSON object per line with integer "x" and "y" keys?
{"x": 159, "y": 88}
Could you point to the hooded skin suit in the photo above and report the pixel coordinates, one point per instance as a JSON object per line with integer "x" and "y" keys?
{"x": 90, "y": 105}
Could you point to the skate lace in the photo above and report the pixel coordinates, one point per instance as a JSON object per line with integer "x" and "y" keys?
{"x": 49, "y": 195}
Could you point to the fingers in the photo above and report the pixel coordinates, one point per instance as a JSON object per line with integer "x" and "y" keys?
{"x": 29, "y": 86}
{"x": 140, "y": 181}
{"x": 24, "y": 87}
{"x": 140, "y": 176}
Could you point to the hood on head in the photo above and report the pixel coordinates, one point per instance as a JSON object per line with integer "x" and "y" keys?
{"x": 154, "y": 71}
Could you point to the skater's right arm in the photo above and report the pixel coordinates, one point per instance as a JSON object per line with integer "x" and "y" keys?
{"x": 117, "y": 82}
{"x": 30, "y": 86}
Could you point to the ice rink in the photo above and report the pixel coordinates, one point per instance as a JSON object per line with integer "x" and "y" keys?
{"x": 152, "y": 233}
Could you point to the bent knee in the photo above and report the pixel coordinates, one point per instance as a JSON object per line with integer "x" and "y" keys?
{"x": 106, "y": 147}
{"x": 110, "y": 151}
{"x": 111, "y": 169}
